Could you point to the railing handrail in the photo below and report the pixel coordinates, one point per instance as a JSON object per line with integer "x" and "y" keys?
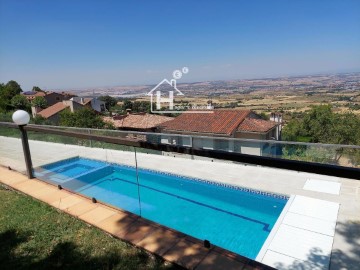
{"x": 12, "y": 125}
{"x": 312, "y": 167}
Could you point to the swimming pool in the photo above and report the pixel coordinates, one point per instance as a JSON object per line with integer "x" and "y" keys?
{"x": 233, "y": 218}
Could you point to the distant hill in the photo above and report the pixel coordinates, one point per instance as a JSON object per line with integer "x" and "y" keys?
{"x": 331, "y": 82}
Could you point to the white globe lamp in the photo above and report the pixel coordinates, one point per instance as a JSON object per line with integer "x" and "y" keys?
{"x": 21, "y": 117}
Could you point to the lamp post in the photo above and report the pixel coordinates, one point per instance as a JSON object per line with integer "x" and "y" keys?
{"x": 22, "y": 118}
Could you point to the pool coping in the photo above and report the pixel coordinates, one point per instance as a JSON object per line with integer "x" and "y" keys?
{"x": 186, "y": 251}
{"x": 270, "y": 252}
{"x": 274, "y": 230}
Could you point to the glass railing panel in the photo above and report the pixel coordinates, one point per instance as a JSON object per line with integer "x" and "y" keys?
{"x": 347, "y": 156}
{"x": 11, "y": 151}
{"x": 104, "y": 171}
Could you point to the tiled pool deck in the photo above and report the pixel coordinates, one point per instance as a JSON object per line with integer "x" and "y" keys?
{"x": 302, "y": 240}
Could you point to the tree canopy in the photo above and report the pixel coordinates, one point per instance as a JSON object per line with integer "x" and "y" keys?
{"x": 37, "y": 89}
{"x": 136, "y": 106}
{"x": 322, "y": 125}
{"x": 109, "y": 101}
{"x": 39, "y": 102}
{"x": 85, "y": 118}
{"x": 127, "y": 104}
{"x": 7, "y": 92}
{"x": 20, "y": 102}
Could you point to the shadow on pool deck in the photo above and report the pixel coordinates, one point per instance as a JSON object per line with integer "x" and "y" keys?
{"x": 350, "y": 259}
{"x": 339, "y": 259}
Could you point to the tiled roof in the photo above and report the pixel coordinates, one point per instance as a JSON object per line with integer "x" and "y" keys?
{"x": 256, "y": 125}
{"x": 46, "y": 113}
{"x": 33, "y": 93}
{"x": 138, "y": 121}
{"x": 222, "y": 122}
{"x": 40, "y": 94}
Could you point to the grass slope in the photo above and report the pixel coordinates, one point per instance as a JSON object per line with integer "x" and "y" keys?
{"x": 35, "y": 236}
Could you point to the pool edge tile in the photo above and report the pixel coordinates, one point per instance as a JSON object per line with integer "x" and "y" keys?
{"x": 276, "y": 227}
{"x": 160, "y": 240}
{"x": 96, "y": 215}
{"x": 186, "y": 253}
{"x": 217, "y": 261}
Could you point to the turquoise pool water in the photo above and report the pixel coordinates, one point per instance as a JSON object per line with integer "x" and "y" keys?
{"x": 233, "y": 218}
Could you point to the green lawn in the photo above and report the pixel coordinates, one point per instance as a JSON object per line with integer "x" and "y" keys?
{"x": 34, "y": 235}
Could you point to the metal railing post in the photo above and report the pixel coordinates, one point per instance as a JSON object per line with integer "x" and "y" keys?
{"x": 27, "y": 155}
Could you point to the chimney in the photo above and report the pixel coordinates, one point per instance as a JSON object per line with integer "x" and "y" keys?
{"x": 128, "y": 111}
{"x": 35, "y": 110}
{"x": 82, "y": 101}
{"x": 173, "y": 83}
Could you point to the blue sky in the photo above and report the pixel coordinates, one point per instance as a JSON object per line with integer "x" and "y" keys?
{"x": 74, "y": 44}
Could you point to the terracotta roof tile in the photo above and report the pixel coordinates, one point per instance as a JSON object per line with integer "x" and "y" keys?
{"x": 256, "y": 125}
{"x": 40, "y": 94}
{"x": 46, "y": 113}
{"x": 222, "y": 122}
{"x": 138, "y": 121}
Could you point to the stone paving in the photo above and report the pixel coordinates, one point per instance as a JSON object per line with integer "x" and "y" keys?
{"x": 345, "y": 249}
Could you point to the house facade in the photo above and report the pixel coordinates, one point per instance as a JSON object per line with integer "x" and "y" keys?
{"x": 93, "y": 103}
{"x": 50, "y": 97}
{"x": 52, "y": 113}
{"x": 219, "y": 128}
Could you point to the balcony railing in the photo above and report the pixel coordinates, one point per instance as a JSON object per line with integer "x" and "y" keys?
{"x": 327, "y": 159}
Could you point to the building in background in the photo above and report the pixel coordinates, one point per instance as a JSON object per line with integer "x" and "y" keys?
{"x": 226, "y": 124}
{"x": 138, "y": 121}
{"x": 52, "y": 113}
{"x": 50, "y": 97}
{"x": 93, "y": 103}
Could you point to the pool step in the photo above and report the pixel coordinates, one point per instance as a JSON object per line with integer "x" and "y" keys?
{"x": 77, "y": 181}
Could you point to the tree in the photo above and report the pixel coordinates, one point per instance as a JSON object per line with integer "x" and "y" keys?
{"x": 127, "y": 104}
{"x": 13, "y": 88}
{"x": 7, "y": 92}
{"x": 322, "y": 125}
{"x": 141, "y": 106}
{"x": 39, "y": 120}
{"x": 346, "y": 130}
{"x": 39, "y": 102}
{"x": 20, "y": 102}
{"x": 37, "y": 89}
{"x": 318, "y": 123}
{"x": 85, "y": 118}
{"x": 136, "y": 106}
{"x": 109, "y": 101}
{"x": 3, "y": 102}
{"x": 292, "y": 131}
{"x": 264, "y": 116}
